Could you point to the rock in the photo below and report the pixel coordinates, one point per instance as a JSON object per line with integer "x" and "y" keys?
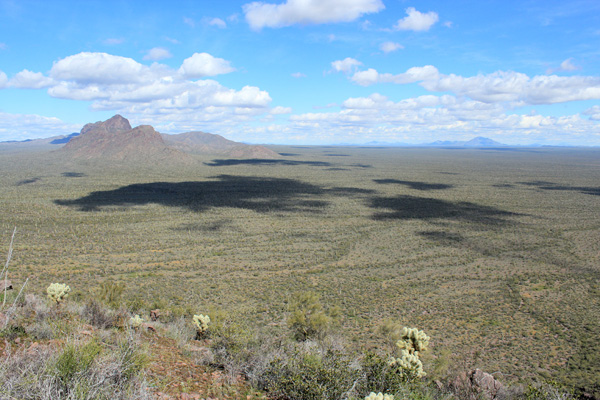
{"x": 485, "y": 384}
{"x": 5, "y": 284}
{"x": 155, "y": 314}
{"x": 149, "y": 328}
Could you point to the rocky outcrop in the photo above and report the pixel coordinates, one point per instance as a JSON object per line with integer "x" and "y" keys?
{"x": 115, "y": 140}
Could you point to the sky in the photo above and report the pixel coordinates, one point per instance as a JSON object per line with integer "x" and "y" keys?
{"x": 305, "y": 71}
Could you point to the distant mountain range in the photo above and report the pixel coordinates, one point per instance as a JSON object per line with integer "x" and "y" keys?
{"x": 475, "y": 143}
{"x": 115, "y": 140}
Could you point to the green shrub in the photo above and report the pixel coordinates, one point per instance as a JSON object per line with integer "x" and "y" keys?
{"x": 110, "y": 293}
{"x": 311, "y": 374}
{"x": 308, "y": 318}
{"x": 75, "y": 360}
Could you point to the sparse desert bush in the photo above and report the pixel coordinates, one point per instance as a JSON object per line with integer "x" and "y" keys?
{"x": 307, "y": 371}
{"x": 308, "y": 318}
{"x": 110, "y": 293}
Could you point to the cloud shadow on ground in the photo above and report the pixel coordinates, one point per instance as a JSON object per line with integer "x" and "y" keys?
{"x": 417, "y": 185}
{"x": 544, "y": 185}
{"x": 252, "y": 193}
{"x": 423, "y": 208}
{"x": 266, "y": 161}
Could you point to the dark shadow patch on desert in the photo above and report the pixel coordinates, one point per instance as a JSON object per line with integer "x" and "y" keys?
{"x": 417, "y": 185}
{"x": 544, "y": 185}
{"x": 423, "y": 208}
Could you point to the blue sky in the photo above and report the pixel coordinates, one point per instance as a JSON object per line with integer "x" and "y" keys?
{"x": 305, "y": 71}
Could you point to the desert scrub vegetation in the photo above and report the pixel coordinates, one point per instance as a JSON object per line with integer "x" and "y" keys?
{"x": 493, "y": 253}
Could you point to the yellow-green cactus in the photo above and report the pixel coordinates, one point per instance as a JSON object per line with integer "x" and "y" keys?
{"x": 201, "y": 323}
{"x": 135, "y": 321}
{"x": 408, "y": 363}
{"x": 57, "y": 292}
{"x": 413, "y": 341}
{"x": 379, "y": 396}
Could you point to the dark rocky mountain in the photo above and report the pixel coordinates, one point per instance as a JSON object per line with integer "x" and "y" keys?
{"x": 208, "y": 143}
{"x": 114, "y": 139}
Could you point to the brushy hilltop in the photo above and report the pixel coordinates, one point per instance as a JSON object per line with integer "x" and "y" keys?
{"x": 98, "y": 348}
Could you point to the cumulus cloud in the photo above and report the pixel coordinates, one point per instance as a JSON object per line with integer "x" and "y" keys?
{"x": 157, "y": 54}
{"x": 298, "y": 75}
{"x": 218, "y": 22}
{"x": 98, "y": 68}
{"x": 201, "y": 65}
{"x": 346, "y": 65}
{"x": 593, "y": 112}
{"x": 113, "y": 41}
{"x": 281, "y": 110}
{"x": 414, "y": 74}
{"x": 157, "y": 94}
{"x": 388, "y": 47}
{"x": 565, "y": 66}
{"x": 430, "y": 117}
{"x": 260, "y": 15}
{"x": 30, "y": 80}
{"x": 31, "y": 126}
{"x": 416, "y": 21}
{"x": 499, "y": 86}
{"x": 3, "y": 80}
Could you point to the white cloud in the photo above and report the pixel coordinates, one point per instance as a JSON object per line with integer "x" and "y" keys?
{"x": 3, "y": 46}
{"x": 565, "y": 66}
{"x": 113, "y": 41}
{"x": 158, "y": 53}
{"x": 428, "y": 118}
{"x": 593, "y": 112}
{"x": 414, "y": 74}
{"x": 260, "y": 15}
{"x": 568, "y": 65}
{"x": 31, "y": 126}
{"x": 499, "y": 86}
{"x": 281, "y": 110}
{"x": 30, "y": 80}
{"x": 190, "y": 22}
{"x": 388, "y": 47}
{"x": 3, "y": 80}
{"x": 346, "y": 65}
{"x": 298, "y": 75}
{"x": 201, "y": 65}
{"x": 504, "y": 86}
{"x": 416, "y": 21}
{"x": 218, "y": 22}
{"x": 99, "y": 68}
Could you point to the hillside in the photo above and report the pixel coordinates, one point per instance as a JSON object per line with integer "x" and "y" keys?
{"x": 208, "y": 143}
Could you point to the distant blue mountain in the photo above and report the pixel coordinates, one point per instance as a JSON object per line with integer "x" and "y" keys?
{"x": 64, "y": 139}
{"x": 477, "y": 142}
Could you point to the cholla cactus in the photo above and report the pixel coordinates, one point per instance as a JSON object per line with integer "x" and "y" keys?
{"x": 413, "y": 341}
{"x": 379, "y": 396}
{"x": 201, "y": 323}
{"x": 57, "y": 292}
{"x": 409, "y": 364}
{"x": 135, "y": 321}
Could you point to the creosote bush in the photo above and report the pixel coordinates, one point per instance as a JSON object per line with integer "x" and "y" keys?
{"x": 308, "y": 318}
